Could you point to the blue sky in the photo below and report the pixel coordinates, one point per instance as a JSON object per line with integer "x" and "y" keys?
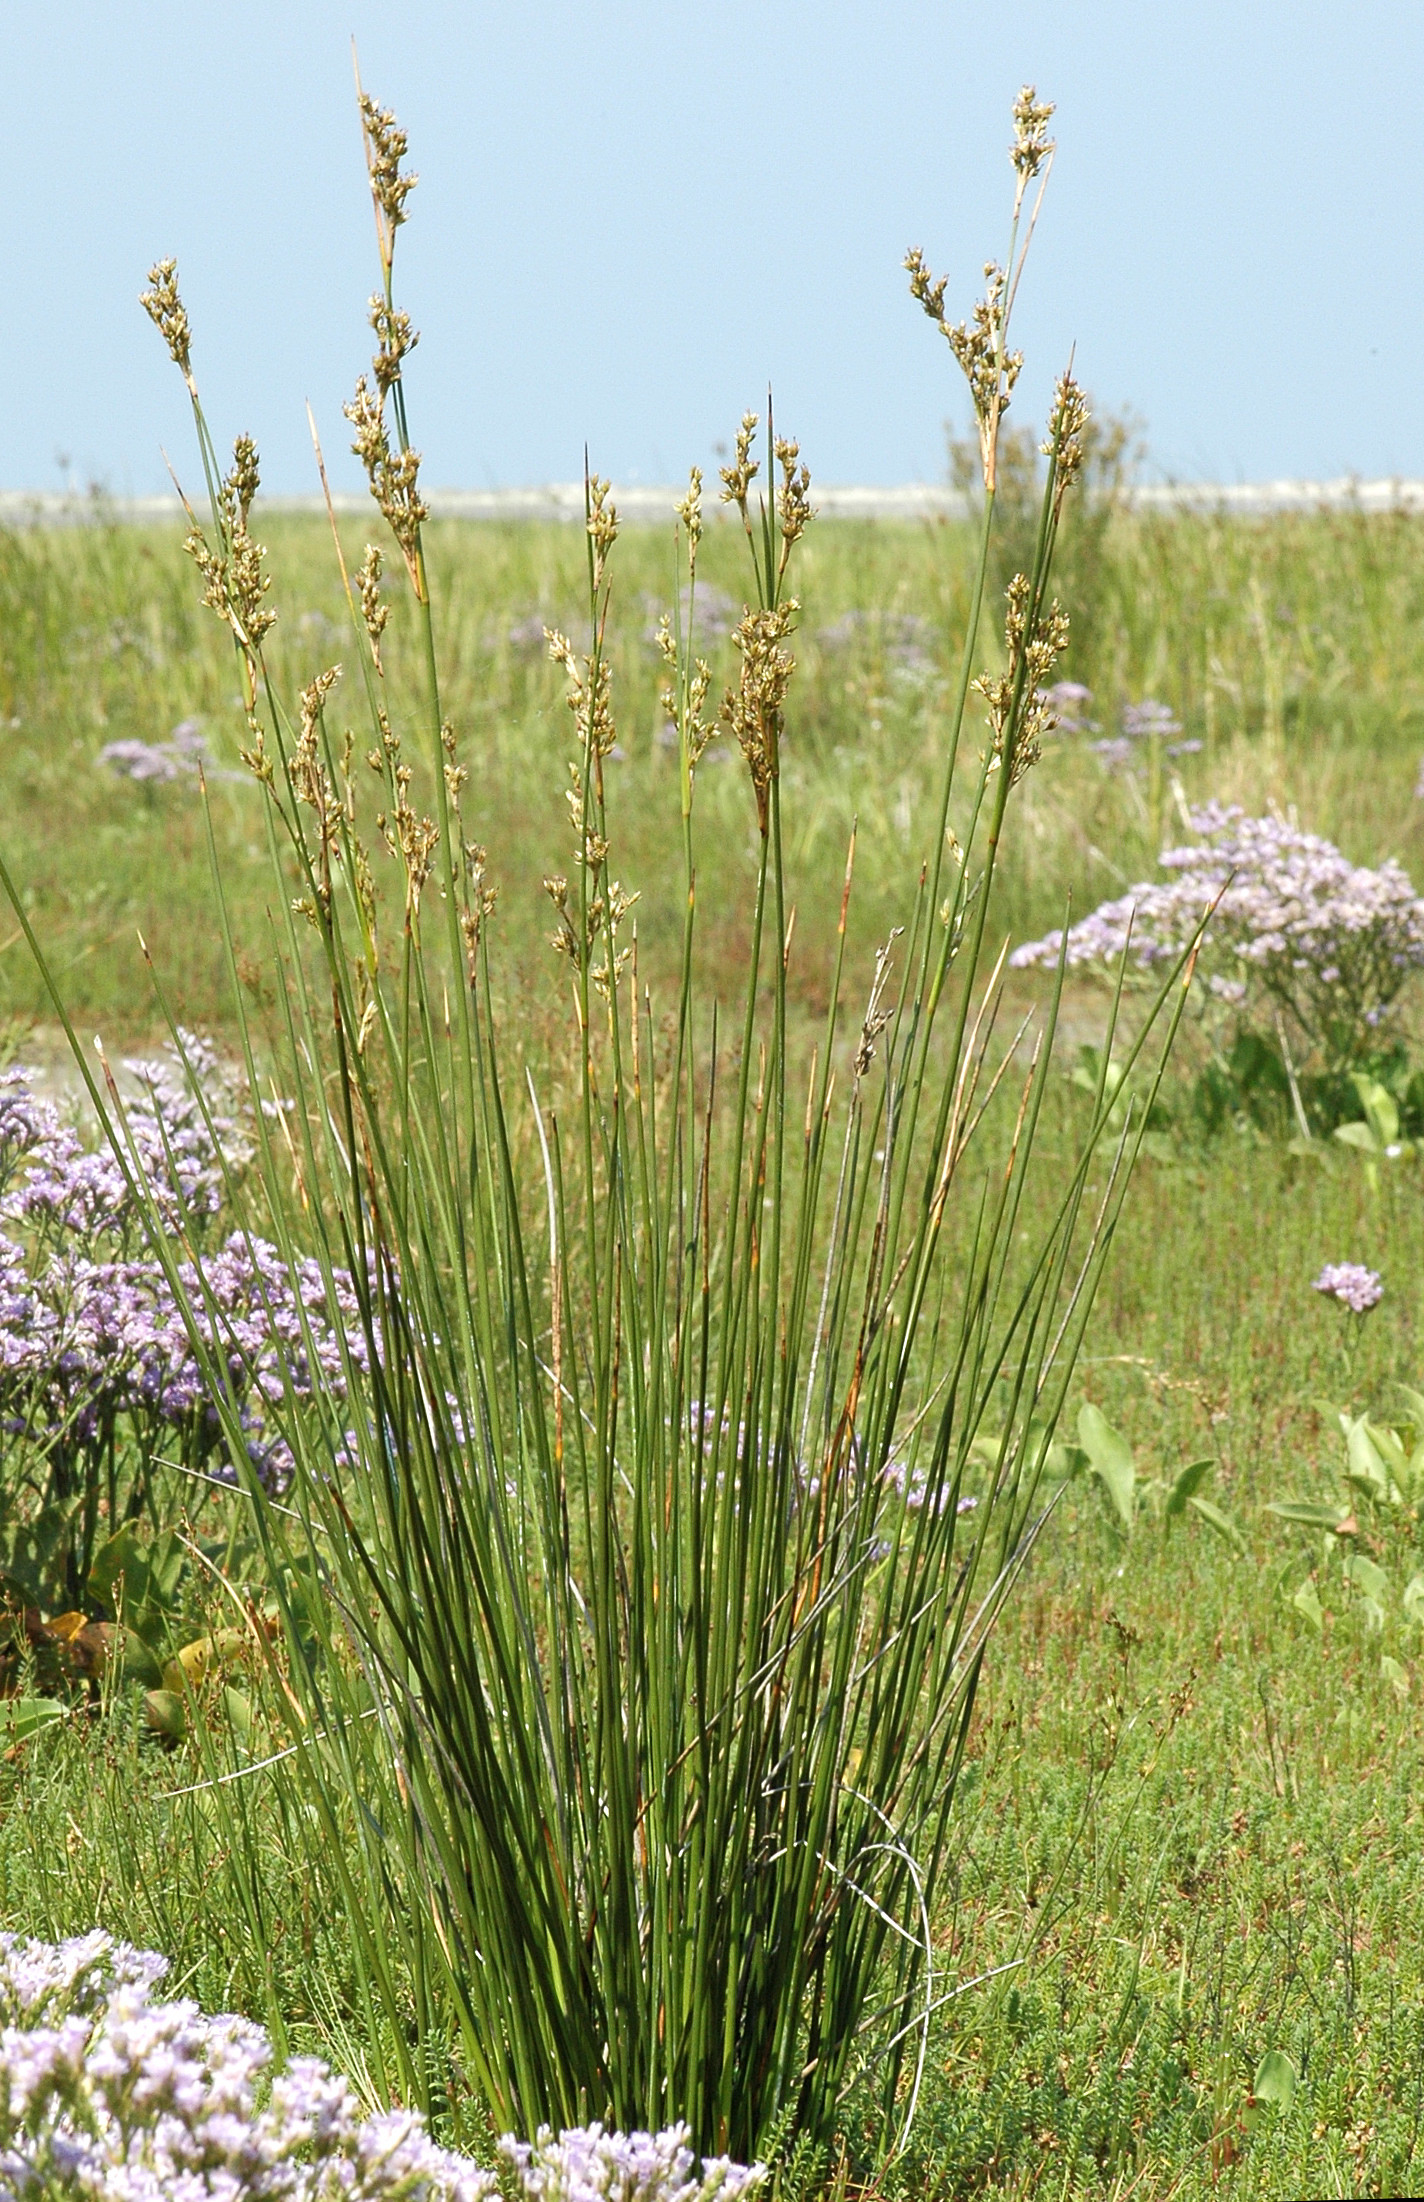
{"x": 633, "y": 213}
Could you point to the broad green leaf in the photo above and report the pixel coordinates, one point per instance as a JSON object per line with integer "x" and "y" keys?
{"x": 27, "y": 1552}
{"x": 167, "y": 1557}
{"x": 1395, "y": 1675}
{"x": 238, "y": 1710}
{"x": 1413, "y": 1599}
{"x": 1358, "y": 1135}
{"x": 1315, "y": 1513}
{"x": 1110, "y": 1457}
{"x": 1372, "y": 1581}
{"x": 120, "y": 1561}
{"x": 1389, "y": 1445}
{"x": 1414, "y": 1401}
{"x": 1307, "y": 1603}
{"x": 1275, "y": 2080}
{"x": 142, "y": 1578}
{"x": 140, "y": 1664}
{"x": 1380, "y": 1107}
{"x": 163, "y": 1711}
{"x": 1365, "y": 1464}
{"x": 1188, "y": 1481}
{"x": 1221, "y": 1523}
{"x": 21, "y": 1716}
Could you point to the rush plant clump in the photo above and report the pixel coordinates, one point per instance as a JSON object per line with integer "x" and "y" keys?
{"x": 688, "y": 1437}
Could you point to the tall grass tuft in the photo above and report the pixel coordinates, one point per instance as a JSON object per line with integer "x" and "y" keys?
{"x": 639, "y": 1593}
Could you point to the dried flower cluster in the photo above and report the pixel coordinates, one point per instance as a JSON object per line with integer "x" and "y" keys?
{"x": 1141, "y": 725}
{"x": 1032, "y": 146}
{"x": 981, "y": 347}
{"x": 107, "y": 2093}
{"x": 1065, "y": 444}
{"x": 165, "y": 308}
{"x": 737, "y": 478}
{"x": 981, "y": 344}
{"x": 386, "y": 147}
{"x": 1328, "y": 942}
{"x": 753, "y": 712}
{"x": 234, "y": 583}
{"x": 1351, "y": 1284}
{"x": 392, "y": 474}
{"x": 1020, "y": 712}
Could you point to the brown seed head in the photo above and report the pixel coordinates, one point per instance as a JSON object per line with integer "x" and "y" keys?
{"x": 392, "y": 475}
{"x": 602, "y": 525}
{"x": 166, "y": 310}
{"x": 1064, "y": 441}
{"x": 689, "y": 511}
{"x": 386, "y": 147}
{"x": 737, "y": 478}
{"x": 1019, "y": 711}
{"x": 235, "y": 586}
{"x": 245, "y": 476}
{"x": 753, "y": 712}
{"x": 793, "y": 501}
{"x": 924, "y": 288}
{"x": 1031, "y": 146}
{"x": 396, "y": 338}
{"x": 374, "y": 612}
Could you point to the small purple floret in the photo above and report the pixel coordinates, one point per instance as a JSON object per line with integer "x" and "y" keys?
{"x": 1351, "y": 1284}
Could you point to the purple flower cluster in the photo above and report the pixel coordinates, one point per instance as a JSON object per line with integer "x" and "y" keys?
{"x": 184, "y": 752}
{"x": 91, "y": 1326}
{"x": 1329, "y": 942}
{"x": 1069, "y": 702}
{"x": 186, "y": 1136}
{"x": 1351, "y": 1284}
{"x": 84, "y": 1342}
{"x": 913, "y": 1486}
{"x": 106, "y": 2093}
{"x": 1148, "y": 721}
{"x": 589, "y": 2165}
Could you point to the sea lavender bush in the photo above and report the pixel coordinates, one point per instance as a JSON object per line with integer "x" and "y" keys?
{"x": 183, "y": 755}
{"x": 101, "y": 1392}
{"x": 1293, "y": 929}
{"x": 673, "y": 1671}
{"x": 108, "y": 2093}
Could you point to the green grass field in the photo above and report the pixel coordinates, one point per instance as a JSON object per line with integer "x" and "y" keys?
{"x": 1287, "y": 647}
{"x": 1192, "y": 1820}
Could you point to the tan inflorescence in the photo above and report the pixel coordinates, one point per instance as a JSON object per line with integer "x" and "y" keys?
{"x": 753, "y": 711}
{"x": 1018, "y": 707}
{"x": 981, "y": 344}
{"x": 392, "y": 475}
{"x": 165, "y": 308}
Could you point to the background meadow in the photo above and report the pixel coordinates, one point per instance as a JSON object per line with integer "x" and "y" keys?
{"x": 1285, "y": 647}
